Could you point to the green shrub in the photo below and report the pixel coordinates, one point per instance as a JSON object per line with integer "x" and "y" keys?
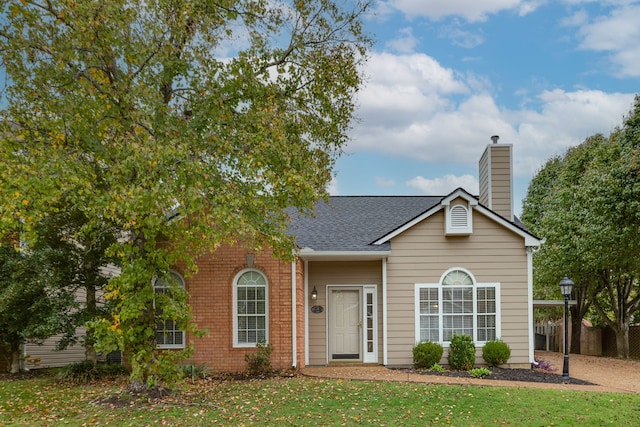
{"x": 193, "y": 372}
{"x": 437, "y": 368}
{"x": 479, "y": 372}
{"x": 496, "y": 352}
{"x": 462, "y": 352}
{"x": 259, "y": 363}
{"x": 427, "y": 354}
{"x": 86, "y": 371}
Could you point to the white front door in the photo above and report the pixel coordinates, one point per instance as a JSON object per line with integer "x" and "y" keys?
{"x": 345, "y": 324}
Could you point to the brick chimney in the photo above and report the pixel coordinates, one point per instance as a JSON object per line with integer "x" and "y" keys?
{"x": 496, "y": 178}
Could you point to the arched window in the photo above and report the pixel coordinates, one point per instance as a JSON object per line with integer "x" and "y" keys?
{"x": 250, "y": 315}
{"x": 457, "y": 305}
{"x": 168, "y": 334}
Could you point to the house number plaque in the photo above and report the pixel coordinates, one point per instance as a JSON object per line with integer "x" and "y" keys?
{"x": 317, "y": 309}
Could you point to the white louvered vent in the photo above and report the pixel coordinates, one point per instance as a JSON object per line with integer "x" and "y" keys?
{"x": 459, "y": 217}
{"x": 458, "y": 220}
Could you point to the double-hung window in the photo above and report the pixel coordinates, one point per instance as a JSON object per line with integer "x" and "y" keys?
{"x": 168, "y": 333}
{"x": 250, "y": 315}
{"x": 457, "y": 305}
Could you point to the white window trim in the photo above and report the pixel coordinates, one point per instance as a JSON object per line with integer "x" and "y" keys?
{"x": 237, "y": 344}
{"x": 184, "y": 335}
{"x": 439, "y": 287}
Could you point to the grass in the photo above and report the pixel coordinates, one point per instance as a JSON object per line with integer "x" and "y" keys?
{"x": 305, "y": 401}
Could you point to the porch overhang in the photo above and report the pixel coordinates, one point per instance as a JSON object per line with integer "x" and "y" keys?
{"x": 309, "y": 254}
{"x": 538, "y": 303}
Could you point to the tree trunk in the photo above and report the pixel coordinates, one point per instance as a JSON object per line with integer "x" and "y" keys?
{"x": 576, "y": 334}
{"x": 15, "y": 358}
{"x": 90, "y": 354}
{"x": 622, "y": 340}
{"x": 91, "y": 309}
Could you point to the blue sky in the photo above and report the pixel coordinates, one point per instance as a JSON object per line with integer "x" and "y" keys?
{"x": 444, "y": 76}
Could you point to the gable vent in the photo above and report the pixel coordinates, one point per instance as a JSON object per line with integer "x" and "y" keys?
{"x": 458, "y": 220}
{"x": 459, "y": 217}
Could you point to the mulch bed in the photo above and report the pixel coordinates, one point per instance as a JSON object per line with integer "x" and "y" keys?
{"x": 525, "y": 375}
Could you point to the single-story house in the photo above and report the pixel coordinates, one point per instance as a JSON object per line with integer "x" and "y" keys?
{"x": 374, "y": 276}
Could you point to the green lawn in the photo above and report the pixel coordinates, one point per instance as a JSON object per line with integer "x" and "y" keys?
{"x": 313, "y": 402}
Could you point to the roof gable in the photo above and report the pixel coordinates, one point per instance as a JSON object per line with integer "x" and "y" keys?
{"x": 366, "y": 224}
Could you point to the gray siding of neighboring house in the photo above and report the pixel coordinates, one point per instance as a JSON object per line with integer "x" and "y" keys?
{"x": 49, "y": 357}
{"x": 423, "y": 253}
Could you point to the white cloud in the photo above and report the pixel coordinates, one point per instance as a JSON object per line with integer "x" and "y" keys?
{"x": 405, "y": 42}
{"x": 414, "y": 108}
{"x": 443, "y": 185}
{"x": 384, "y": 182}
{"x": 617, "y": 33}
{"x": 460, "y": 37}
{"x": 472, "y": 11}
{"x": 332, "y": 187}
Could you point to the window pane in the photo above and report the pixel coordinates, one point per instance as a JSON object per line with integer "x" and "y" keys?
{"x": 251, "y": 307}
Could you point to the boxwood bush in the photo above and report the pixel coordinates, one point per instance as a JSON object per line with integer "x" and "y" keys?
{"x": 496, "y": 352}
{"x": 426, "y": 354}
{"x": 462, "y": 352}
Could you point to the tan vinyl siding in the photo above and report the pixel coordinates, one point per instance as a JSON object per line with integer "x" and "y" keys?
{"x": 492, "y": 254}
{"x": 322, "y": 274}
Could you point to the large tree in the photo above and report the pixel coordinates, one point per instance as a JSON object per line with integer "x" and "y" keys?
{"x": 185, "y": 123}
{"x": 586, "y": 212}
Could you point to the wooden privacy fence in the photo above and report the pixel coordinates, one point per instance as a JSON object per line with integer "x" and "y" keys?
{"x": 550, "y": 337}
{"x": 610, "y": 347}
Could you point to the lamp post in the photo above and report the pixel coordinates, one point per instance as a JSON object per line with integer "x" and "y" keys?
{"x": 565, "y": 289}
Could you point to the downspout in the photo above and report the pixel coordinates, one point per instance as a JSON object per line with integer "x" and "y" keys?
{"x": 530, "y": 251}
{"x": 306, "y": 313}
{"x": 294, "y": 317}
{"x": 384, "y": 312}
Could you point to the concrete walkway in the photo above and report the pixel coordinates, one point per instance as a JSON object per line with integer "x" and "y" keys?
{"x": 610, "y": 375}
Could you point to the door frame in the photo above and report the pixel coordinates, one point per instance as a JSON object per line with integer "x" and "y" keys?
{"x": 364, "y": 291}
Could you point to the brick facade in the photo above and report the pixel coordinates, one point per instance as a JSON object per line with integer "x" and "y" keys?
{"x": 211, "y": 299}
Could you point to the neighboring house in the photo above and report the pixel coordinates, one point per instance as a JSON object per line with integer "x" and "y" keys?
{"x": 374, "y": 276}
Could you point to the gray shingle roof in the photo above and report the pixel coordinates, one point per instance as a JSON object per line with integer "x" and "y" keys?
{"x": 352, "y": 223}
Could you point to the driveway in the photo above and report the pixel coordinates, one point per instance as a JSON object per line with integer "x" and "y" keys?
{"x": 609, "y": 375}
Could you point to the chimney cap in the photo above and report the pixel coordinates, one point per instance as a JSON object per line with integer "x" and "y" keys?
{"x": 495, "y": 138}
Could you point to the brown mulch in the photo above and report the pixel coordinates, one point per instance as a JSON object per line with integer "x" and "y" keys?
{"x": 502, "y": 374}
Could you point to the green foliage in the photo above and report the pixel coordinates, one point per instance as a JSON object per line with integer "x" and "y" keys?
{"x": 462, "y": 352}
{"x": 86, "y": 372}
{"x": 128, "y": 111}
{"x": 193, "y": 372}
{"x": 259, "y": 362}
{"x": 427, "y": 354}
{"x": 33, "y": 297}
{"x": 437, "y": 368}
{"x": 496, "y": 353}
{"x": 586, "y": 205}
{"x": 479, "y": 372}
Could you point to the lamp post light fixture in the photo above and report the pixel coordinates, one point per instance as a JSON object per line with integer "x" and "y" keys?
{"x": 565, "y": 289}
